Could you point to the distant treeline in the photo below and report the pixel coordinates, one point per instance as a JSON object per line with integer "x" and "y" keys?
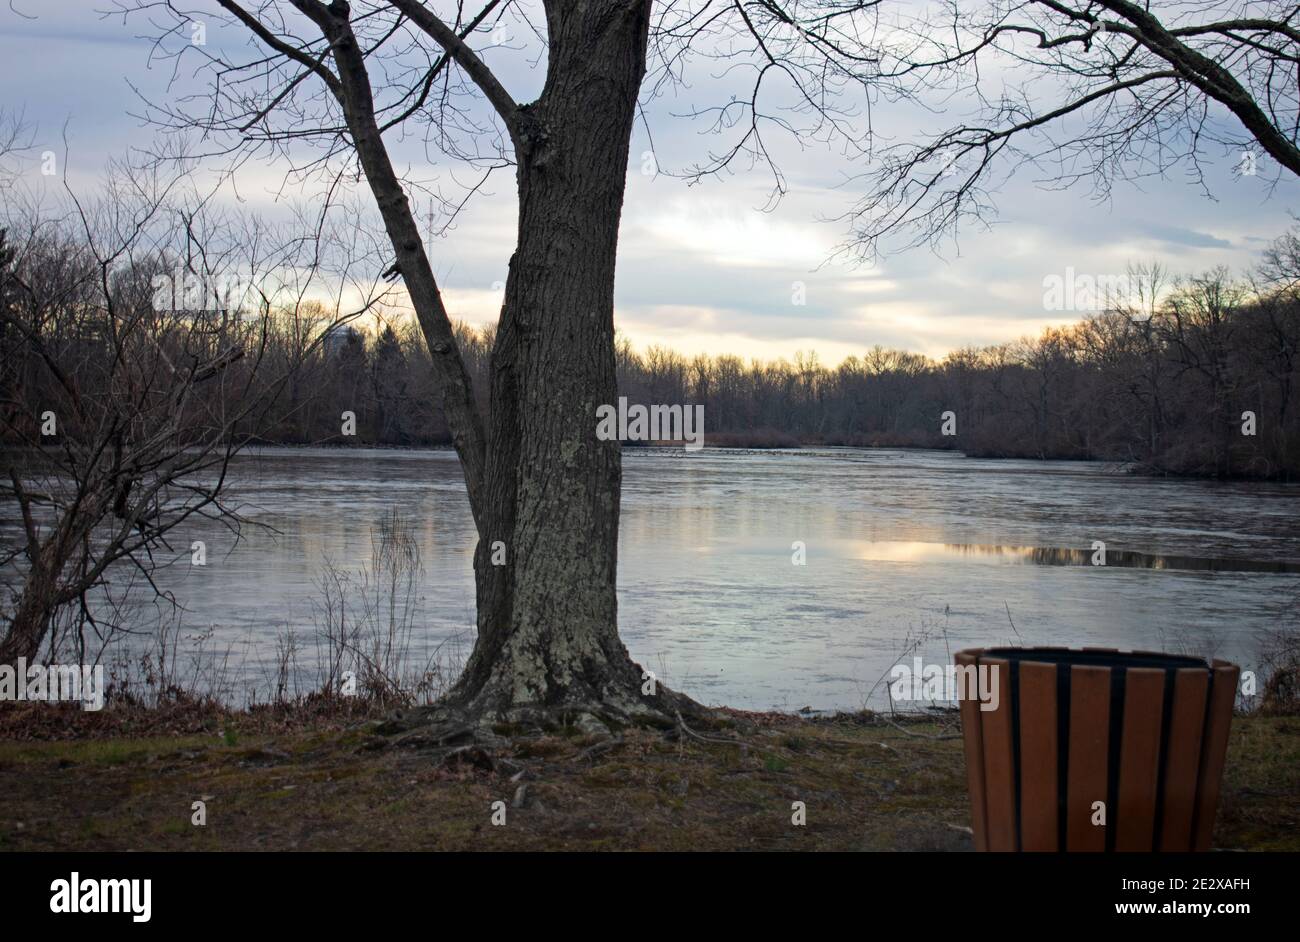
{"x": 1175, "y": 389}
{"x": 1175, "y": 382}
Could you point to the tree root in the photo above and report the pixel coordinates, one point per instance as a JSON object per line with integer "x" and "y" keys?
{"x": 450, "y": 728}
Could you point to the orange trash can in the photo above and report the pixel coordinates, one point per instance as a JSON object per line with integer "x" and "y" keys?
{"x": 1094, "y": 749}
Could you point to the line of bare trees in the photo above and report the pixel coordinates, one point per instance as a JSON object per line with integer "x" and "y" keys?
{"x": 1203, "y": 381}
{"x": 1165, "y": 384}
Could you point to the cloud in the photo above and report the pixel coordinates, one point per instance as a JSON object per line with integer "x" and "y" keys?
{"x": 703, "y": 268}
{"x": 1176, "y": 235}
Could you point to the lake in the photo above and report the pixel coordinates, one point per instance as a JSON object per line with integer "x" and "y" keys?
{"x": 897, "y": 545}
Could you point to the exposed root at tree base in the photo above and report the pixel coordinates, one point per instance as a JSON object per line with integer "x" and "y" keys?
{"x": 452, "y": 727}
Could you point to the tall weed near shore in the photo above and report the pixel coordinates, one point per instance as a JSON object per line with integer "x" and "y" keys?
{"x": 1279, "y": 661}
{"x": 365, "y": 622}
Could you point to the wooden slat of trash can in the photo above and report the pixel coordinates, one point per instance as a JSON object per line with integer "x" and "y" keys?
{"x": 1183, "y": 759}
{"x": 1087, "y": 763}
{"x": 1214, "y": 750}
{"x": 973, "y": 743}
{"x": 1038, "y": 792}
{"x": 999, "y": 762}
{"x": 1139, "y": 762}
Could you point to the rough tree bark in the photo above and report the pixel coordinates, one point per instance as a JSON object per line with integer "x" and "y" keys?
{"x": 543, "y": 489}
{"x": 547, "y": 625}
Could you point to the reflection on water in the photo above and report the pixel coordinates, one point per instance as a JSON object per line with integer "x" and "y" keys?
{"x": 897, "y": 544}
{"x": 1064, "y": 556}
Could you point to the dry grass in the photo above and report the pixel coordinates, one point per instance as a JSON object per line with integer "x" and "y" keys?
{"x": 866, "y": 786}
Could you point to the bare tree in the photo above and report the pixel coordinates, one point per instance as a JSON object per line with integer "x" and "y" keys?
{"x": 543, "y": 490}
{"x": 1073, "y": 92}
{"x": 1280, "y": 269}
{"x": 1087, "y": 92}
{"x": 1199, "y": 323}
{"x": 134, "y": 331}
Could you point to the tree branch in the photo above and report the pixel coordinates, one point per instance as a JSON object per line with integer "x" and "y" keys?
{"x": 467, "y": 59}
{"x": 1210, "y": 77}
{"x": 279, "y": 45}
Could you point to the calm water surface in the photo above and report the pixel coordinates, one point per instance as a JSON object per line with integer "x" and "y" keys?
{"x": 965, "y": 551}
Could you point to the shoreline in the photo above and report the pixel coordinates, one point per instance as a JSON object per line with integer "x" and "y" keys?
{"x": 740, "y": 443}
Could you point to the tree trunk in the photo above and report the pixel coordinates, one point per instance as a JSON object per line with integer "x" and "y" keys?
{"x": 37, "y": 601}
{"x": 543, "y": 490}
{"x": 31, "y": 621}
{"x": 547, "y": 617}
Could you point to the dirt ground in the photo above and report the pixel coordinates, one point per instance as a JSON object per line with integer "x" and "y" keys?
{"x": 865, "y": 785}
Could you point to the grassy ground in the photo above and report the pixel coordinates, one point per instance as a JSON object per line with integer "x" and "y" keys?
{"x": 866, "y": 786}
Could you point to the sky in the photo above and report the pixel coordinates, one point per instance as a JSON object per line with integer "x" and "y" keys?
{"x": 707, "y": 268}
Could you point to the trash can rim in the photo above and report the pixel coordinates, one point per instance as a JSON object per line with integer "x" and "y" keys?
{"x": 1093, "y": 657}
